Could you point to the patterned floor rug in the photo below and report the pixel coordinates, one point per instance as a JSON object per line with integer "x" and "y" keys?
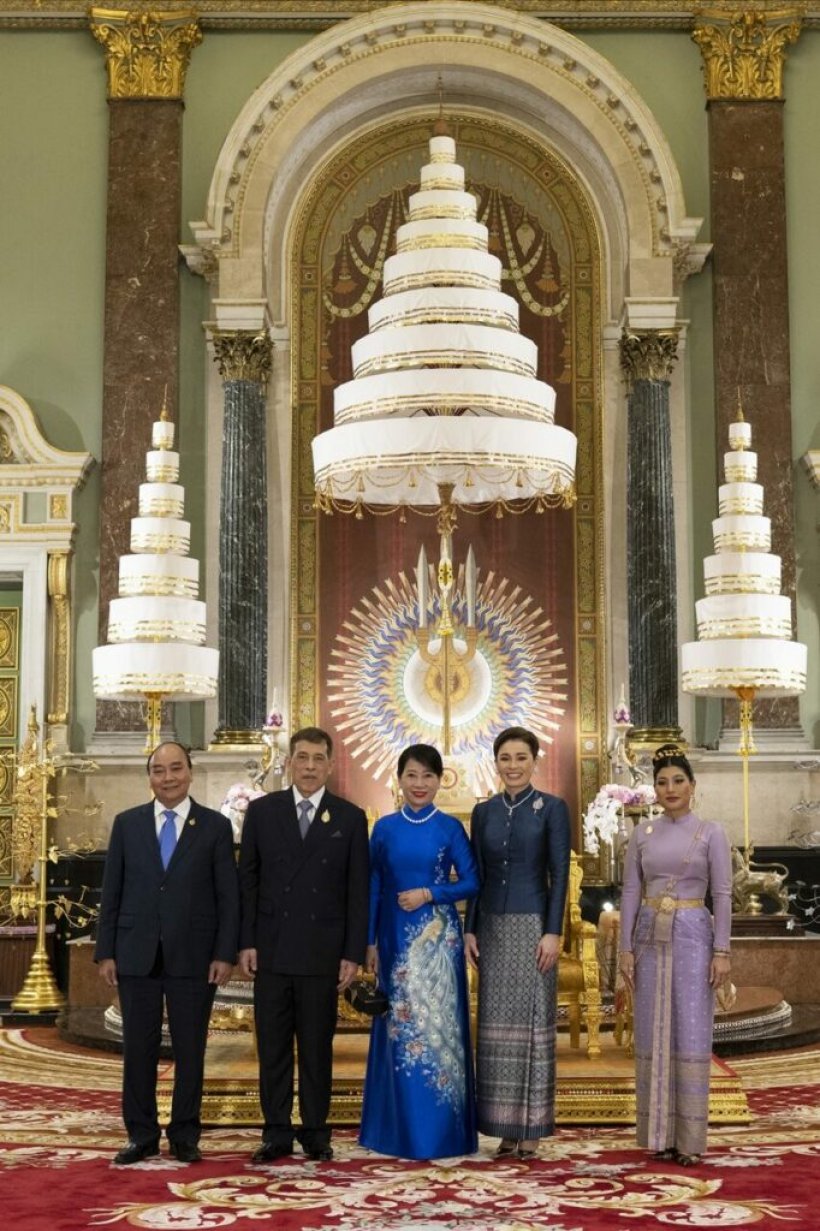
{"x": 60, "y": 1127}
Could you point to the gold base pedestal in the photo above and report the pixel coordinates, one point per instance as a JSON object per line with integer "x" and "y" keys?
{"x": 39, "y": 993}
{"x": 588, "y": 1092}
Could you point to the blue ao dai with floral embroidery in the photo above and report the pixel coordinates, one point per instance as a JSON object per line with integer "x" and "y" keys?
{"x": 419, "y": 1096}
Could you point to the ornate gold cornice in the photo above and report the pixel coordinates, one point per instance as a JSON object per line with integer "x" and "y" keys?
{"x": 744, "y": 53}
{"x": 649, "y": 354}
{"x": 310, "y": 16}
{"x": 242, "y": 355}
{"x": 147, "y": 50}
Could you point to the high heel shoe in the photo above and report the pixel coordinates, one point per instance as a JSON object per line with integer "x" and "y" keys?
{"x": 507, "y": 1149}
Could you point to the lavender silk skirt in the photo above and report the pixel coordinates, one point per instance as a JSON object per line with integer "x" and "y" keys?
{"x": 674, "y": 1009}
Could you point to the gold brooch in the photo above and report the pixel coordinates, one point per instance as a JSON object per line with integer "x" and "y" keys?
{"x": 191, "y": 820}
{"x": 649, "y": 828}
{"x": 325, "y": 817}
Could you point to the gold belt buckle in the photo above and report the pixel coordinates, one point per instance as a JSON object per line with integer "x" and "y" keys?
{"x": 667, "y": 904}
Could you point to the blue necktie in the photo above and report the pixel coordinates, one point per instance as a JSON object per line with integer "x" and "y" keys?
{"x": 305, "y": 809}
{"x": 167, "y": 837}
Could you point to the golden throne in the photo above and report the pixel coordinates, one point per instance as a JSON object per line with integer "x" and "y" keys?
{"x": 579, "y": 988}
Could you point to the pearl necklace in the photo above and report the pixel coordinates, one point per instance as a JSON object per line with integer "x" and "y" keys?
{"x": 418, "y": 820}
{"x": 512, "y": 807}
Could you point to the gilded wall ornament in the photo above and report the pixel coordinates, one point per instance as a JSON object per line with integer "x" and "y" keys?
{"x": 242, "y": 355}
{"x": 744, "y": 56}
{"x": 649, "y": 355}
{"x": 147, "y": 50}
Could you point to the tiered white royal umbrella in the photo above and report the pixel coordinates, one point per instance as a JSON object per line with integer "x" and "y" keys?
{"x": 444, "y": 404}
{"x": 745, "y": 647}
{"x": 156, "y": 626}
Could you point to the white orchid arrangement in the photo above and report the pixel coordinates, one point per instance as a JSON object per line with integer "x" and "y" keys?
{"x": 235, "y": 805}
{"x": 602, "y": 817}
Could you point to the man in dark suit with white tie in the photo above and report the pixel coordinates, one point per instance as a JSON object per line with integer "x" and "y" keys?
{"x": 303, "y": 874}
{"x": 167, "y": 931}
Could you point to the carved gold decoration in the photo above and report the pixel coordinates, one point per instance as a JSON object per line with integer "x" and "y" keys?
{"x": 5, "y": 518}
{"x": 649, "y": 354}
{"x": 6, "y": 451}
{"x": 59, "y": 667}
{"x": 147, "y": 50}
{"x": 9, "y": 637}
{"x": 8, "y": 707}
{"x": 57, "y": 508}
{"x": 243, "y": 355}
{"x": 744, "y": 56}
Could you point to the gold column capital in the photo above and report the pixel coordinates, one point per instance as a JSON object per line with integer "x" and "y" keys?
{"x": 648, "y": 354}
{"x": 147, "y": 50}
{"x": 744, "y": 52}
{"x": 243, "y": 354}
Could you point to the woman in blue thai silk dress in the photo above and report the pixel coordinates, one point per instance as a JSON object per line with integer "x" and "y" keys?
{"x": 522, "y": 843}
{"x": 419, "y": 1099}
{"x": 674, "y": 955}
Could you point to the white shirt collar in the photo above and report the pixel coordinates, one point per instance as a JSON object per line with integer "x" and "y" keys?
{"x": 315, "y": 798}
{"x": 181, "y": 809}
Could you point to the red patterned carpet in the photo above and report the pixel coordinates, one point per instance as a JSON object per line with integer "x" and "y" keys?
{"x": 61, "y": 1126}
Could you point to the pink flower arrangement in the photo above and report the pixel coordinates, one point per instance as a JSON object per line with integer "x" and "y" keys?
{"x": 235, "y": 805}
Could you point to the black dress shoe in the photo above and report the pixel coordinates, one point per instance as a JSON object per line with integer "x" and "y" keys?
{"x": 322, "y": 1154}
{"x": 135, "y": 1152}
{"x": 185, "y": 1151}
{"x": 269, "y": 1151}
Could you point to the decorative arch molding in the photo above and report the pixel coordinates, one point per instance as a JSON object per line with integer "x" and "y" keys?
{"x": 38, "y": 483}
{"x": 359, "y": 72}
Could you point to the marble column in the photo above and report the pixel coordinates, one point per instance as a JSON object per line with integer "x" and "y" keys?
{"x": 147, "y": 56}
{"x": 743, "y": 65}
{"x": 244, "y": 360}
{"x": 647, "y": 358}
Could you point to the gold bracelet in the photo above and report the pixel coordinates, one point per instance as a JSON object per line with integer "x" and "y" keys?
{"x": 721, "y": 953}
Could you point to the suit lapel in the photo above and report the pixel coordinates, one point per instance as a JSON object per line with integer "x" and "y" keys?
{"x": 148, "y": 836}
{"x": 319, "y": 828}
{"x": 289, "y": 822}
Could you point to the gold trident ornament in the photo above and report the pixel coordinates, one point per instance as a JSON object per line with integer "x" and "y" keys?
{"x": 448, "y": 677}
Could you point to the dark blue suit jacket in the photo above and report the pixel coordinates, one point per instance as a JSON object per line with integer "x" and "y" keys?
{"x": 192, "y": 908}
{"x": 304, "y": 901}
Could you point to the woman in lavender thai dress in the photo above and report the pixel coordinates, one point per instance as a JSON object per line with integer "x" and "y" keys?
{"x": 674, "y": 955}
{"x": 419, "y": 1099}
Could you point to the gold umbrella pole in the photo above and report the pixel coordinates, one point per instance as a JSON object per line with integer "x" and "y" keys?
{"x": 39, "y": 993}
{"x": 746, "y": 748}
{"x": 153, "y": 717}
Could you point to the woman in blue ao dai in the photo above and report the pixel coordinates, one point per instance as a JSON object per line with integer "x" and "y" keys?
{"x": 419, "y": 1099}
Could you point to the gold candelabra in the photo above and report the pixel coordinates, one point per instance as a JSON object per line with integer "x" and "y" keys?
{"x": 33, "y": 809}
{"x": 448, "y": 677}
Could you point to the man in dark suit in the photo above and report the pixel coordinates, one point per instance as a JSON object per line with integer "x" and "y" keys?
{"x": 167, "y": 930}
{"x": 303, "y": 874}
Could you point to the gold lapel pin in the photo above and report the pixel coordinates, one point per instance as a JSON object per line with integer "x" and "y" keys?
{"x": 325, "y": 817}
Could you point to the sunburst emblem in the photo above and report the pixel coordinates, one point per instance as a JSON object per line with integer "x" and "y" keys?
{"x": 384, "y": 696}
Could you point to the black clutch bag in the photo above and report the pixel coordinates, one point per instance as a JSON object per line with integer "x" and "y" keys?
{"x": 366, "y": 997}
